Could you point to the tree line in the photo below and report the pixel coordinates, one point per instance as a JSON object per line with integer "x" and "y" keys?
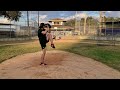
{"x": 90, "y": 21}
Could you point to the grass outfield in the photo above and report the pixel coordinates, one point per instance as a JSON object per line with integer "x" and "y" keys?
{"x": 109, "y": 55}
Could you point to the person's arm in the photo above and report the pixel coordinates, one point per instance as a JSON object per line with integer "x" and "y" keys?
{"x": 41, "y": 32}
{"x": 49, "y": 31}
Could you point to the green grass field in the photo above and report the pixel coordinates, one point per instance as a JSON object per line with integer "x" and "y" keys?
{"x": 109, "y": 55}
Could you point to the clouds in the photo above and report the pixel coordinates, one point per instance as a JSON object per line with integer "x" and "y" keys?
{"x": 108, "y": 11}
{"x": 47, "y": 15}
{"x": 68, "y": 18}
{"x": 78, "y": 16}
{"x": 81, "y": 15}
{"x": 44, "y": 16}
{"x": 113, "y": 13}
{"x": 62, "y": 14}
{"x": 33, "y": 17}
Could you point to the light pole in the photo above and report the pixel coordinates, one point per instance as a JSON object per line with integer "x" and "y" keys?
{"x": 25, "y": 25}
{"x": 79, "y": 27}
{"x": 56, "y": 31}
{"x": 76, "y": 22}
{"x": 112, "y": 32}
{"x": 100, "y": 24}
{"x": 85, "y": 18}
{"x": 10, "y": 28}
{"x": 89, "y": 27}
{"x": 35, "y": 25}
{"x": 28, "y": 23}
{"x": 100, "y": 27}
{"x": 38, "y": 19}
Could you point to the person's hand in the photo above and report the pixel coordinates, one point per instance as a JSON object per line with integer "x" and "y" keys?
{"x": 43, "y": 32}
{"x": 46, "y": 30}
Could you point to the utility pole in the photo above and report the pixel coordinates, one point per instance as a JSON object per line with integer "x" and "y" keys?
{"x": 100, "y": 24}
{"x": 79, "y": 27}
{"x": 89, "y": 27}
{"x": 10, "y": 29}
{"x": 28, "y": 23}
{"x": 102, "y": 19}
{"x": 99, "y": 31}
{"x": 113, "y": 37}
{"x": 76, "y": 22}
{"x": 85, "y": 24}
{"x": 104, "y": 24}
{"x": 38, "y": 19}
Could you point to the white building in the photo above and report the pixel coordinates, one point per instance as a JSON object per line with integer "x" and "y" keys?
{"x": 8, "y": 30}
{"x": 58, "y": 27}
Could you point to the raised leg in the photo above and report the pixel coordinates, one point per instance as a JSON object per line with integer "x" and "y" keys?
{"x": 49, "y": 37}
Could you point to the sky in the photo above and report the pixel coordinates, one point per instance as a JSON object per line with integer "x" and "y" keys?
{"x": 44, "y": 16}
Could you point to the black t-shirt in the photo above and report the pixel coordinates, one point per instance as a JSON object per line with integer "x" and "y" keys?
{"x": 40, "y": 35}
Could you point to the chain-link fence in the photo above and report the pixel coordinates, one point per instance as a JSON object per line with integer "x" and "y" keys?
{"x": 27, "y": 28}
{"x": 104, "y": 33}
{"x": 20, "y": 30}
{"x": 110, "y": 32}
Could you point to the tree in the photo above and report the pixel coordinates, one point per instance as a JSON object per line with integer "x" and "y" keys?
{"x": 11, "y": 15}
{"x": 110, "y": 19}
{"x": 70, "y": 22}
{"x": 89, "y": 21}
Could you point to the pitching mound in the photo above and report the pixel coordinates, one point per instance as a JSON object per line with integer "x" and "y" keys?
{"x": 61, "y": 65}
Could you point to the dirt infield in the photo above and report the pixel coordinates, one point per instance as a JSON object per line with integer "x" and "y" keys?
{"x": 61, "y": 65}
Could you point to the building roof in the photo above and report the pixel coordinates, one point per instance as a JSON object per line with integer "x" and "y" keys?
{"x": 115, "y": 22}
{"x": 57, "y": 19}
{"x": 62, "y": 26}
{"x": 5, "y": 24}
